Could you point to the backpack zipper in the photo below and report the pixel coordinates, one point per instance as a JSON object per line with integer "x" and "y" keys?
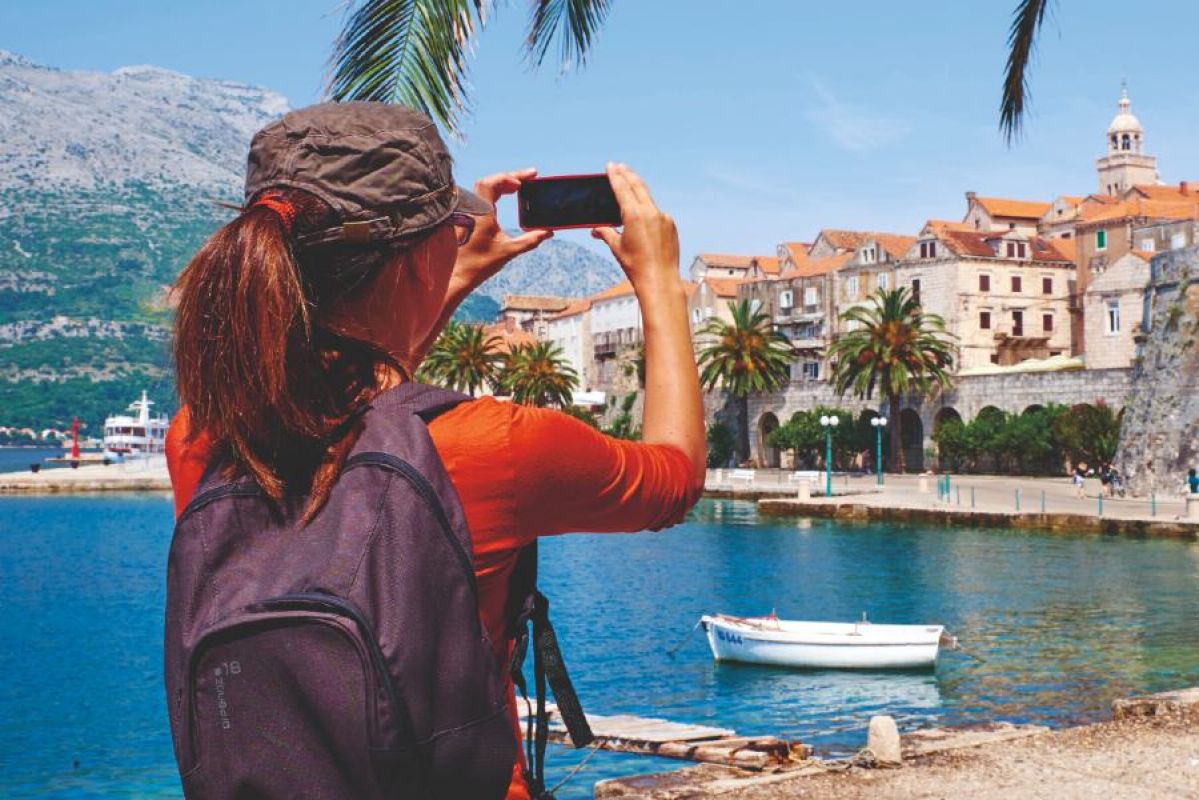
{"x": 425, "y": 490}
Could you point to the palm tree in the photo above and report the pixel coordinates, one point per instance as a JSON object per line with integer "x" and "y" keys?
{"x": 414, "y": 51}
{"x": 895, "y": 348}
{"x": 746, "y": 356}
{"x": 464, "y": 358}
{"x": 537, "y": 375}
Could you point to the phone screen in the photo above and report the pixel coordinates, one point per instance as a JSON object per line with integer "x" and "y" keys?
{"x": 579, "y": 201}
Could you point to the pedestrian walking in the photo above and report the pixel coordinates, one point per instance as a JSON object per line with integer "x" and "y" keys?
{"x": 1080, "y": 481}
{"x": 1193, "y": 481}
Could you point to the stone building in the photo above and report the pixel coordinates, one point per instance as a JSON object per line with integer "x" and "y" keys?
{"x": 529, "y": 312}
{"x": 1158, "y": 236}
{"x": 1126, "y": 164}
{"x": 1003, "y": 214}
{"x": 1003, "y": 294}
{"x": 1112, "y": 310}
{"x": 711, "y": 300}
{"x": 871, "y": 267}
{"x": 570, "y": 330}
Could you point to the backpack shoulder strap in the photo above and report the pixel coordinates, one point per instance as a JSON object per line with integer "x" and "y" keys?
{"x": 528, "y": 605}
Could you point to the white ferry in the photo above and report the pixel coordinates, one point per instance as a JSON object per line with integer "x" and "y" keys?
{"x": 135, "y": 435}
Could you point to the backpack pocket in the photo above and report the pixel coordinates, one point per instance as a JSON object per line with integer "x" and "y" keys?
{"x": 291, "y": 698}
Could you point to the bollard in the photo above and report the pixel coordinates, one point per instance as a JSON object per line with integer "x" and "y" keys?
{"x": 972, "y": 497}
{"x": 805, "y": 489}
{"x": 1153, "y": 504}
{"x": 923, "y": 484}
{"x": 959, "y": 496}
{"x": 1017, "y": 499}
{"x": 1042, "y": 501}
{"x": 1101, "y": 502}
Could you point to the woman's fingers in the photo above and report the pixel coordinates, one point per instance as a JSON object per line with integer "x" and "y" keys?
{"x": 638, "y": 186}
{"x": 527, "y": 241}
{"x": 626, "y": 198}
{"x": 493, "y": 187}
{"x": 608, "y": 236}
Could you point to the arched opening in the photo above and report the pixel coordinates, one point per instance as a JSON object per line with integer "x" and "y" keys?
{"x": 1114, "y": 144}
{"x": 911, "y": 437}
{"x": 1126, "y": 142}
{"x": 768, "y": 456}
{"x": 1034, "y": 408}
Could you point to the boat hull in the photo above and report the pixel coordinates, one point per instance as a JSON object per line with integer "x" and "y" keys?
{"x": 862, "y": 649}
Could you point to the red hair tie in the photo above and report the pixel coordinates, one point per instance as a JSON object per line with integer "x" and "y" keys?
{"x": 286, "y": 211}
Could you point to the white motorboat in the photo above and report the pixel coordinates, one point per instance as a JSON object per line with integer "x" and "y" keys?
{"x": 823, "y": 645}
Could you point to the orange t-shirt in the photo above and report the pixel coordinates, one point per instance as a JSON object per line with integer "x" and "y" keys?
{"x": 520, "y": 473}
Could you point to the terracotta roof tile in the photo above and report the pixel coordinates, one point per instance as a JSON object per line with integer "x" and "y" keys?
{"x": 1020, "y": 209}
{"x": 577, "y": 307}
{"x": 726, "y": 260}
{"x": 1174, "y": 191}
{"x": 977, "y": 244}
{"x": 768, "y": 264}
{"x": 817, "y": 266}
{"x": 1141, "y": 208}
{"x": 797, "y": 250}
{"x": 620, "y": 289}
{"x": 534, "y": 302}
{"x": 724, "y": 287}
{"x": 895, "y": 244}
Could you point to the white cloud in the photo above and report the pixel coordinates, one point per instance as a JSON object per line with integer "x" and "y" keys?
{"x": 854, "y": 129}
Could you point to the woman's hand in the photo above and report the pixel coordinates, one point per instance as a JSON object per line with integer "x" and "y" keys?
{"x": 490, "y": 248}
{"x": 648, "y": 246}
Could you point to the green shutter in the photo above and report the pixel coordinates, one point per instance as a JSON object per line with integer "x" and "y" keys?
{"x": 1101, "y": 239}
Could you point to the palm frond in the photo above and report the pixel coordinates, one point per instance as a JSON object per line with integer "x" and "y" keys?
{"x": 407, "y": 51}
{"x": 574, "y": 23}
{"x": 1022, "y": 41}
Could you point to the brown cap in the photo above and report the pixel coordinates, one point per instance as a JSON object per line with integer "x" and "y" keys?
{"x": 384, "y": 168}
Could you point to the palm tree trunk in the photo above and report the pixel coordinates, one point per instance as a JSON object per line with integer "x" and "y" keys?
{"x": 742, "y": 429}
{"x": 896, "y": 433}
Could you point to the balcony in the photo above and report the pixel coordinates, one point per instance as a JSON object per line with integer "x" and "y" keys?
{"x": 609, "y": 344}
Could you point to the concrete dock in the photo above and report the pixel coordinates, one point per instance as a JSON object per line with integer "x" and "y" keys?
{"x": 137, "y": 476}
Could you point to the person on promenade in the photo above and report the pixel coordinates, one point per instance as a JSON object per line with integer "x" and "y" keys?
{"x": 302, "y": 320}
{"x": 1192, "y": 481}
{"x": 1080, "y": 480}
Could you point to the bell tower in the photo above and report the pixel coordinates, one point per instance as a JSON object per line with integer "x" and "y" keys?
{"x": 1125, "y": 164}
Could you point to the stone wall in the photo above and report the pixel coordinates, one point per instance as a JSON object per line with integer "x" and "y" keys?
{"x": 1012, "y": 392}
{"x": 1159, "y": 440}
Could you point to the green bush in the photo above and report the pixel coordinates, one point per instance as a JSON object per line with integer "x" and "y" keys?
{"x": 721, "y": 443}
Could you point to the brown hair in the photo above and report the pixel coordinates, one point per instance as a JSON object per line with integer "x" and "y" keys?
{"x": 278, "y": 395}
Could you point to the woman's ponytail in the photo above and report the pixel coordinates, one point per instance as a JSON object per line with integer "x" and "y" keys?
{"x": 269, "y": 389}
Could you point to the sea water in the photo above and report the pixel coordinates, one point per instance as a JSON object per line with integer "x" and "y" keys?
{"x": 1062, "y": 625}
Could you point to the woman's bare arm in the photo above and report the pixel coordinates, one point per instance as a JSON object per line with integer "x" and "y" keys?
{"x": 648, "y": 250}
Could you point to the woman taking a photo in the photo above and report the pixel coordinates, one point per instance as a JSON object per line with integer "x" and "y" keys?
{"x": 300, "y": 326}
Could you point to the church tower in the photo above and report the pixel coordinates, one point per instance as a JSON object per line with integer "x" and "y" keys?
{"x": 1125, "y": 164}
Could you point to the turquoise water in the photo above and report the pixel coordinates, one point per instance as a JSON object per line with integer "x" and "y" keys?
{"x": 1064, "y": 624}
{"x": 18, "y": 459}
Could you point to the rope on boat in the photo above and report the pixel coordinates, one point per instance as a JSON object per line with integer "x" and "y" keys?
{"x": 684, "y": 640}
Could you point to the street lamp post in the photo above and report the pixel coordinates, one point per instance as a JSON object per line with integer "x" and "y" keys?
{"x": 879, "y": 423}
{"x": 828, "y": 423}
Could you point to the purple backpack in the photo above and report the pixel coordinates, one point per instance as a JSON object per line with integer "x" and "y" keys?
{"x": 345, "y": 658}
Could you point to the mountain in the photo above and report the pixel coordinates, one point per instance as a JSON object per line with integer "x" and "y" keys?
{"x": 110, "y": 182}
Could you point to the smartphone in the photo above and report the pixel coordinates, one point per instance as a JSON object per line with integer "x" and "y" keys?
{"x": 567, "y": 201}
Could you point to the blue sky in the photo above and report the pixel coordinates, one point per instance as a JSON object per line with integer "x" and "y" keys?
{"x": 752, "y": 126}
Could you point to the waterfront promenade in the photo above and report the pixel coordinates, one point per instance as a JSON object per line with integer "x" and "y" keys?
{"x": 985, "y": 494}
